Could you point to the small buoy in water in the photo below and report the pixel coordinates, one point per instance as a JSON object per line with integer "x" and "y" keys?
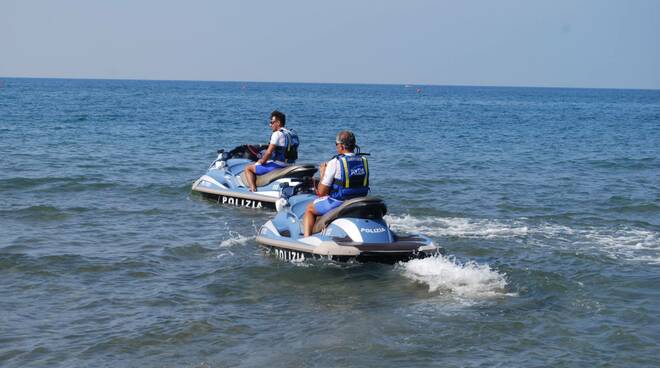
{"x": 419, "y": 90}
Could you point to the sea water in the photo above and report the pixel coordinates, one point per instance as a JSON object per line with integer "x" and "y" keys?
{"x": 546, "y": 201}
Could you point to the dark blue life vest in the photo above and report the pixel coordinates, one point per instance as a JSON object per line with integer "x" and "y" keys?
{"x": 354, "y": 181}
{"x": 288, "y": 153}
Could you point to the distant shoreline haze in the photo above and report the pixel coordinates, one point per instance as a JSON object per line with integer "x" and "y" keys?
{"x": 3, "y": 78}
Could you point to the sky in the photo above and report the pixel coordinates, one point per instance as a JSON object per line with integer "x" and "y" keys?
{"x": 558, "y": 43}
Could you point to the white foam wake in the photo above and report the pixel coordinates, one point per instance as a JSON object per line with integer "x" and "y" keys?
{"x": 616, "y": 242}
{"x": 456, "y": 226}
{"x": 621, "y": 242}
{"x": 235, "y": 239}
{"x": 469, "y": 280}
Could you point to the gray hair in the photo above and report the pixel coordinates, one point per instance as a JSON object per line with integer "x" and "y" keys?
{"x": 347, "y": 139}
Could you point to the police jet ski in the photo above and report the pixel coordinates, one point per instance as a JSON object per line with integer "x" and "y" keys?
{"x": 355, "y": 230}
{"x": 225, "y": 183}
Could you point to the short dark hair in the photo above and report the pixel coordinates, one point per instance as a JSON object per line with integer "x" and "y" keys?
{"x": 347, "y": 139}
{"x": 279, "y": 116}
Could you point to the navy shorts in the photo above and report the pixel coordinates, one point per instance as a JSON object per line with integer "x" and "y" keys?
{"x": 269, "y": 166}
{"x": 323, "y": 205}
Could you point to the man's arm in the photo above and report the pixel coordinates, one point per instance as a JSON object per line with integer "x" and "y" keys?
{"x": 327, "y": 176}
{"x": 322, "y": 167}
{"x": 322, "y": 190}
{"x": 266, "y": 156}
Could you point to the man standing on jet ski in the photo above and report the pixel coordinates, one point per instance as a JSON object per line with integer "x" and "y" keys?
{"x": 344, "y": 177}
{"x": 282, "y": 151}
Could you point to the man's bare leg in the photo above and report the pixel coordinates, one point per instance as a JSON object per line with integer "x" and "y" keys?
{"x": 251, "y": 175}
{"x": 309, "y": 219}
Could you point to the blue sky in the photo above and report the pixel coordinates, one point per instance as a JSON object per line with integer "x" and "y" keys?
{"x": 561, "y": 43}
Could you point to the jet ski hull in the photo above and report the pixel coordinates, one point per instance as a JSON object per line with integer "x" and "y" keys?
{"x": 224, "y": 183}
{"x": 347, "y": 253}
{"x": 234, "y": 198}
{"x": 363, "y": 239}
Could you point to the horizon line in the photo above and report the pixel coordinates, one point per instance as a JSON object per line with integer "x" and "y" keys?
{"x": 328, "y": 83}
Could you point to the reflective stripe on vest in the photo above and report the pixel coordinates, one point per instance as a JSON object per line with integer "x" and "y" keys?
{"x": 344, "y": 187}
{"x": 344, "y": 164}
{"x": 365, "y": 182}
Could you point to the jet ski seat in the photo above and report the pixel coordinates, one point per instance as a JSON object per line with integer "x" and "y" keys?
{"x": 360, "y": 207}
{"x": 292, "y": 171}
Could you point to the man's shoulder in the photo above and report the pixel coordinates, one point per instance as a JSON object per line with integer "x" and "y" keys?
{"x": 275, "y": 136}
{"x": 333, "y": 165}
{"x": 348, "y": 156}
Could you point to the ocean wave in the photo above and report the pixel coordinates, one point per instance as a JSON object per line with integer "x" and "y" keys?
{"x": 77, "y": 119}
{"x": 36, "y": 213}
{"x": 637, "y": 208}
{"x": 56, "y": 264}
{"x": 24, "y": 182}
{"x": 426, "y": 182}
{"x": 626, "y": 163}
{"x": 54, "y": 184}
{"x": 187, "y": 251}
{"x": 172, "y": 169}
{"x": 445, "y": 274}
{"x": 81, "y": 186}
{"x": 163, "y": 189}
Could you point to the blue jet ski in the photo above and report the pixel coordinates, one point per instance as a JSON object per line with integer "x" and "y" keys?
{"x": 355, "y": 230}
{"x": 225, "y": 183}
